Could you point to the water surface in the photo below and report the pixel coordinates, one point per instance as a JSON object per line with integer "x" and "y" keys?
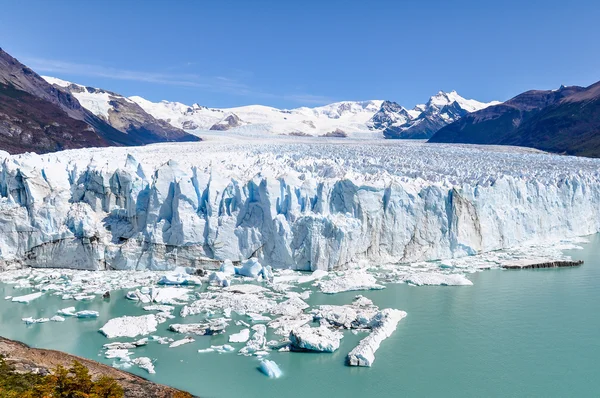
{"x": 520, "y": 333}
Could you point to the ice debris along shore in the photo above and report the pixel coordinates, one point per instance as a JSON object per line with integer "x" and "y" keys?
{"x": 256, "y": 315}
{"x": 305, "y": 206}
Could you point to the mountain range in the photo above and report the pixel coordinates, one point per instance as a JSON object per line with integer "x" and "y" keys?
{"x": 45, "y": 114}
{"x": 341, "y": 119}
{"x": 39, "y": 117}
{"x": 566, "y": 120}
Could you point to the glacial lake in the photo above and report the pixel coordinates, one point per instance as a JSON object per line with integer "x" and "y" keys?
{"x": 519, "y": 333}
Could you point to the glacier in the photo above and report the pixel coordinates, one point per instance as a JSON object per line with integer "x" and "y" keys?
{"x": 302, "y": 204}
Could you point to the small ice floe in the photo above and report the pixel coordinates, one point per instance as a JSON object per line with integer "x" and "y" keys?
{"x": 185, "y": 340}
{"x": 346, "y": 316}
{"x": 227, "y": 268}
{"x": 130, "y": 326}
{"x": 257, "y": 342}
{"x": 270, "y": 368}
{"x": 87, "y": 314}
{"x": 284, "y": 324}
{"x": 240, "y": 337}
{"x": 179, "y": 276}
{"x": 117, "y": 353}
{"x": 27, "y": 298}
{"x": 219, "y": 279}
{"x": 162, "y": 340}
{"x": 222, "y": 348}
{"x": 292, "y": 306}
{"x": 258, "y": 317}
{"x": 205, "y": 350}
{"x": 383, "y": 325}
{"x": 83, "y": 297}
{"x": 69, "y": 311}
{"x": 319, "y": 339}
{"x": 57, "y": 318}
{"x": 144, "y": 363}
{"x": 213, "y": 326}
{"x": 159, "y": 308}
{"x": 31, "y": 321}
{"x": 165, "y": 295}
{"x": 437, "y": 279}
{"x": 118, "y": 346}
{"x": 348, "y": 281}
{"x": 8, "y": 297}
{"x": 250, "y": 268}
{"x": 316, "y": 274}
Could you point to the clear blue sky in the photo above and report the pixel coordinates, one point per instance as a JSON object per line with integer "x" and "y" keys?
{"x": 295, "y": 53}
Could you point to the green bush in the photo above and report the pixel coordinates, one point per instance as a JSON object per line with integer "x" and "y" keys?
{"x": 74, "y": 382}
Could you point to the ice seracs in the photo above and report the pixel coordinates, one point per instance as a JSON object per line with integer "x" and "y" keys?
{"x": 302, "y": 206}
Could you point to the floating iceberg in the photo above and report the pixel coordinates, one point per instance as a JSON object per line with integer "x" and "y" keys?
{"x": 130, "y": 326}
{"x": 27, "y": 298}
{"x": 185, "y": 340}
{"x": 209, "y": 328}
{"x": 144, "y": 363}
{"x": 319, "y": 339}
{"x": 437, "y": 279}
{"x": 270, "y": 368}
{"x": 87, "y": 314}
{"x": 250, "y": 268}
{"x": 30, "y": 321}
{"x": 350, "y": 280}
{"x": 257, "y": 342}
{"x": 383, "y": 326}
{"x": 240, "y": 337}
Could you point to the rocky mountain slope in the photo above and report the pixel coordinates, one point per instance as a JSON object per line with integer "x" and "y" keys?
{"x": 34, "y": 360}
{"x": 424, "y": 120}
{"x": 36, "y": 116}
{"x": 342, "y": 119}
{"x": 120, "y": 112}
{"x": 566, "y": 120}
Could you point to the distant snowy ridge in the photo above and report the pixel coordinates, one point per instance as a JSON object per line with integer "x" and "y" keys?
{"x": 294, "y": 205}
{"x": 346, "y": 118}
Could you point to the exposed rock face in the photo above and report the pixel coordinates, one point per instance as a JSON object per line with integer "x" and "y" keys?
{"x": 36, "y": 116}
{"x": 566, "y": 120}
{"x": 337, "y": 133}
{"x": 424, "y": 120}
{"x": 34, "y": 360}
{"x": 122, "y": 113}
{"x": 228, "y": 122}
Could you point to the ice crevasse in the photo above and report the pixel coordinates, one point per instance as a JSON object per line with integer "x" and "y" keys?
{"x": 301, "y": 206}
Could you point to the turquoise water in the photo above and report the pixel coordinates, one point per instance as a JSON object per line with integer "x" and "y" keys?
{"x": 522, "y": 333}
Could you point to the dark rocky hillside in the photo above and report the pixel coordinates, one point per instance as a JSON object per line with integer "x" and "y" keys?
{"x": 565, "y": 121}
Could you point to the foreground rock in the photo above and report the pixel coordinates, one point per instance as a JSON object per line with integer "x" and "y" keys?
{"x": 41, "y": 361}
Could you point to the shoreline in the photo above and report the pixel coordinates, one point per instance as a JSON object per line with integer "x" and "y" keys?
{"x": 39, "y": 360}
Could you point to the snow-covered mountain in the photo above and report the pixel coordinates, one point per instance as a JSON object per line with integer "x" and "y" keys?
{"x": 375, "y": 118}
{"x": 351, "y": 117}
{"x": 424, "y": 120}
{"x": 120, "y": 112}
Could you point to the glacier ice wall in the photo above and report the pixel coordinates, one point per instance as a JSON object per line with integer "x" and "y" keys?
{"x": 303, "y": 205}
